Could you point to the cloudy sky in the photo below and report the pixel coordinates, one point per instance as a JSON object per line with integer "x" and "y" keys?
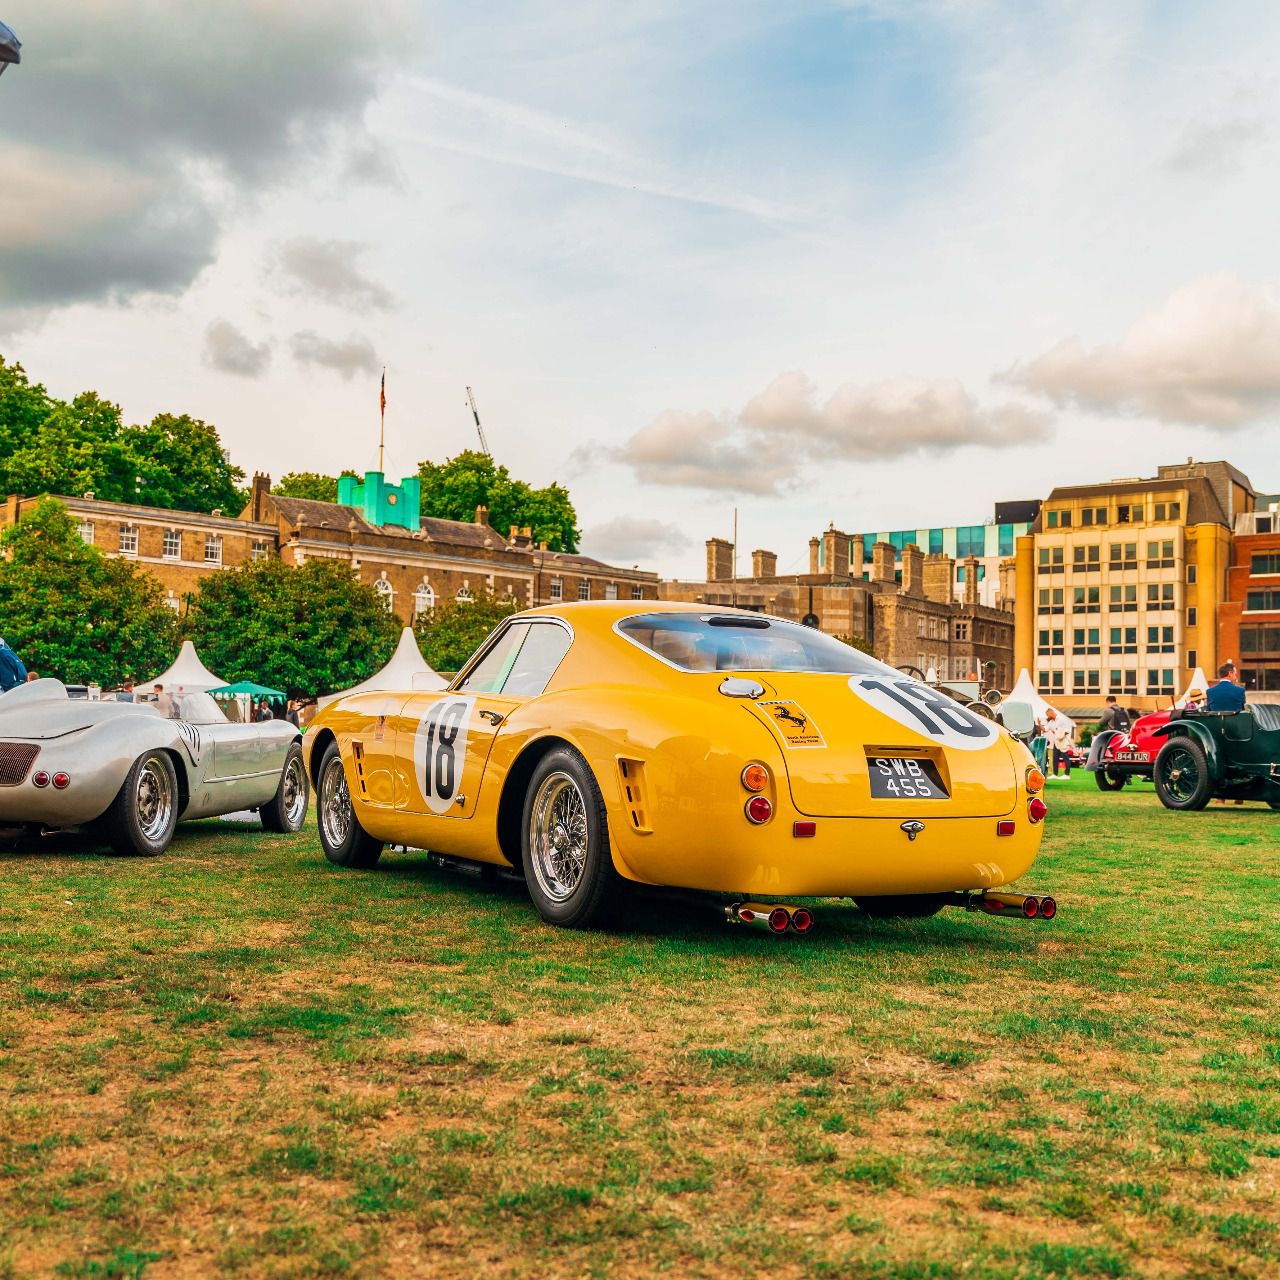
{"x": 880, "y": 263}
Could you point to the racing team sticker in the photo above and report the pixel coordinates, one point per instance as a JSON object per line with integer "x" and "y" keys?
{"x": 796, "y": 728}
{"x": 440, "y": 751}
{"x": 927, "y": 711}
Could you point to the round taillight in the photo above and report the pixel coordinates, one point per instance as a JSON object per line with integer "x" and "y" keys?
{"x": 1048, "y": 908}
{"x": 755, "y": 777}
{"x": 779, "y": 918}
{"x": 1035, "y": 779}
{"x": 1030, "y": 908}
{"x": 759, "y": 809}
{"x": 62, "y": 781}
{"x": 801, "y": 920}
{"x": 40, "y": 778}
{"x": 1036, "y": 809}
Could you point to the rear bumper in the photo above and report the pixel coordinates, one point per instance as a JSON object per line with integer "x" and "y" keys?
{"x": 92, "y": 789}
{"x": 851, "y": 857}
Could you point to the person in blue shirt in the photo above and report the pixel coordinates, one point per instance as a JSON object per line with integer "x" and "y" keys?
{"x": 12, "y": 672}
{"x": 1226, "y": 695}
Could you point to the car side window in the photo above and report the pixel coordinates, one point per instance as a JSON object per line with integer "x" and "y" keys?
{"x": 490, "y": 673}
{"x": 542, "y": 652}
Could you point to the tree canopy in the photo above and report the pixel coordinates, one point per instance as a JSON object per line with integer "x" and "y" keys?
{"x": 71, "y": 612}
{"x": 71, "y": 447}
{"x": 453, "y": 489}
{"x": 307, "y": 630}
{"x": 307, "y": 484}
{"x": 456, "y": 629}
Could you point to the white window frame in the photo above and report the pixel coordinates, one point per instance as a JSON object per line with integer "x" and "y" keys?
{"x": 213, "y": 544}
{"x": 128, "y": 540}
{"x": 386, "y": 592}
{"x": 176, "y": 552}
{"x": 424, "y": 599}
{"x": 85, "y": 531}
{"x": 259, "y": 550}
{"x": 610, "y": 590}
{"x": 584, "y": 589}
{"x": 556, "y": 589}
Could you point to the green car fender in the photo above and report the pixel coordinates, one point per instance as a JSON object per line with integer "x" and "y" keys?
{"x": 1190, "y": 729}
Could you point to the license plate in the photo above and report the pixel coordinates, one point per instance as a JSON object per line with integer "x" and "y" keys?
{"x": 1133, "y": 757}
{"x": 905, "y": 778}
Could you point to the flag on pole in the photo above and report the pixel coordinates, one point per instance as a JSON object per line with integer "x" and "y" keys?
{"x": 382, "y": 394}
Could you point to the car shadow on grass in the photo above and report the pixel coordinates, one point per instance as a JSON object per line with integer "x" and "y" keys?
{"x": 660, "y": 915}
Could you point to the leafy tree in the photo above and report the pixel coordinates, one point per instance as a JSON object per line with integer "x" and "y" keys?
{"x": 453, "y": 489}
{"x": 183, "y": 466}
{"x": 54, "y": 446}
{"x": 450, "y": 635}
{"x": 77, "y": 448}
{"x": 71, "y": 612}
{"x": 861, "y": 643}
{"x": 23, "y": 407}
{"x": 307, "y": 630}
{"x": 307, "y": 484}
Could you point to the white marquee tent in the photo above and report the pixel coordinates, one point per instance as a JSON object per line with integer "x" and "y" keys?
{"x": 1197, "y": 681}
{"x": 1024, "y": 690}
{"x": 187, "y": 673}
{"x": 407, "y": 669}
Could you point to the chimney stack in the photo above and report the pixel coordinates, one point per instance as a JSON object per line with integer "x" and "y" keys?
{"x": 1008, "y": 583}
{"x": 938, "y": 571}
{"x": 482, "y": 515}
{"x": 913, "y": 571}
{"x": 719, "y": 560}
{"x": 883, "y": 558}
{"x": 857, "y": 559}
{"x": 258, "y": 496}
{"x": 764, "y": 564}
{"x": 970, "y": 581}
{"x": 814, "y": 554}
{"x": 835, "y": 546}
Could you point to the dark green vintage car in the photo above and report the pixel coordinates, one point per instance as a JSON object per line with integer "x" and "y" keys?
{"x": 1233, "y": 755}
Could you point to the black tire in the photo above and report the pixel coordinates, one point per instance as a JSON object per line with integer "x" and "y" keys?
{"x": 564, "y": 843}
{"x": 144, "y": 814}
{"x": 1181, "y": 775}
{"x": 286, "y": 811}
{"x": 345, "y": 842}
{"x": 1108, "y": 781}
{"x": 904, "y": 906}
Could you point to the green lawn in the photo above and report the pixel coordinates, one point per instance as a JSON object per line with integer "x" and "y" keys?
{"x": 237, "y": 1060}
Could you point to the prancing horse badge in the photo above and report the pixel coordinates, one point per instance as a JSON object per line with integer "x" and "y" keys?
{"x": 913, "y": 828}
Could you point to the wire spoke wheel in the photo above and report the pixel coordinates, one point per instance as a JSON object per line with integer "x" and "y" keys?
{"x": 558, "y": 836}
{"x": 154, "y": 798}
{"x": 1181, "y": 775}
{"x": 294, "y": 784}
{"x": 335, "y": 804}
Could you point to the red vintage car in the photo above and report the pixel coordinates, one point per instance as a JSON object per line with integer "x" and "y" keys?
{"x": 1116, "y": 757}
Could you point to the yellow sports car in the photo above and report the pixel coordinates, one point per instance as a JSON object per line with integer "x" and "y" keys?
{"x": 597, "y": 746}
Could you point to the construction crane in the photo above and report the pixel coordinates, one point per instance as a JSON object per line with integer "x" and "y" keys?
{"x": 475, "y": 413}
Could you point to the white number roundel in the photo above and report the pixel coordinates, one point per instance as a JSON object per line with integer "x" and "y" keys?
{"x": 927, "y": 711}
{"x": 440, "y": 752}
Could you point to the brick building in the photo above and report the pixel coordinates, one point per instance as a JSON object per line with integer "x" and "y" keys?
{"x": 909, "y": 616}
{"x": 1249, "y": 616}
{"x": 413, "y": 562}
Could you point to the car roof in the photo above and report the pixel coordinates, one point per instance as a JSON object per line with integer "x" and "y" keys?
{"x": 600, "y": 615}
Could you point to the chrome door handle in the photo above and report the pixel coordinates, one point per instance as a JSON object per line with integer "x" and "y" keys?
{"x": 491, "y": 716}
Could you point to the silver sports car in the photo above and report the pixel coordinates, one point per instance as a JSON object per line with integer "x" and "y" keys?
{"x": 129, "y": 773}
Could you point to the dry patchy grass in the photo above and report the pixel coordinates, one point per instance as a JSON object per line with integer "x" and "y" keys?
{"x": 238, "y": 1060}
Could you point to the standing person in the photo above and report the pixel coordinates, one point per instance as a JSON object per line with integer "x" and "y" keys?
{"x": 1226, "y": 694}
{"x": 12, "y": 672}
{"x": 1060, "y": 736}
{"x": 164, "y": 702}
{"x": 291, "y": 713}
{"x": 126, "y": 693}
{"x": 1114, "y": 716}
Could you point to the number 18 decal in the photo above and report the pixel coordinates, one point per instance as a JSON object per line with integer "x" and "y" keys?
{"x": 927, "y": 711}
{"x": 440, "y": 752}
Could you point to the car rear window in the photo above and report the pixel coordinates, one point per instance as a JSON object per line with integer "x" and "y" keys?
{"x": 743, "y": 642}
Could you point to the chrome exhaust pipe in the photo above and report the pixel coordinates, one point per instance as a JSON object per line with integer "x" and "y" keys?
{"x": 772, "y": 916}
{"x": 1020, "y": 906}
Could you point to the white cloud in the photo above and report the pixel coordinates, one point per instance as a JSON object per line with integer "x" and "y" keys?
{"x": 1215, "y": 146}
{"x": 762, "y": 449}
{"x": 344, "y": 356}
{"x": 329, "y": 270}
{"x": 200, "y": 113}
{"x": 229, "y": 350}
{"x": 633, "y": 539}
{"x": 1209, "y": 356}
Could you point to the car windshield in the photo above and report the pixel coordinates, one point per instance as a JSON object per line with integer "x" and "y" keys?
{"x": 199, "y": 708}
{"x": 738, "y": 642}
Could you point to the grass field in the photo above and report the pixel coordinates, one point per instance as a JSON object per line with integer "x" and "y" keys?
{"x": 237, "y": 1060}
